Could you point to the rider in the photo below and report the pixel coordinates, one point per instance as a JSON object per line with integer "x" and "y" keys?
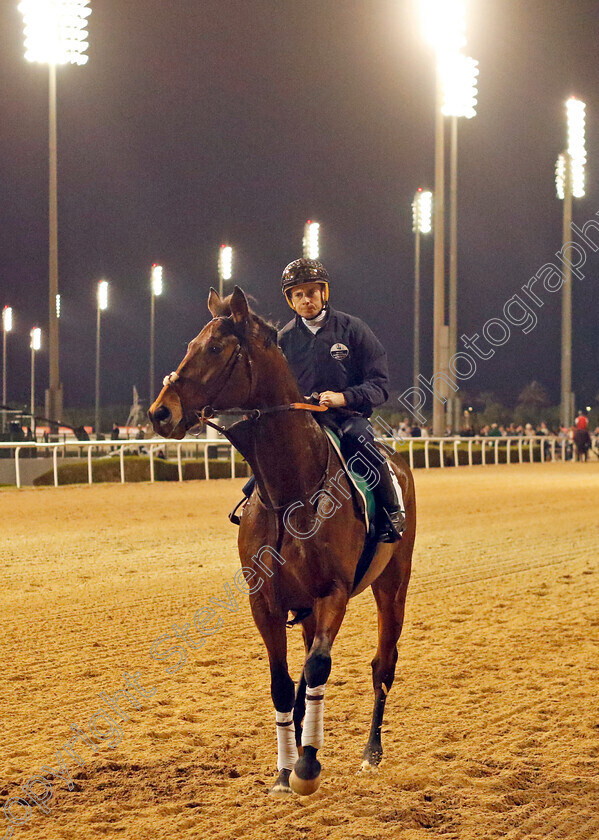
{"x": 338, "y": 360}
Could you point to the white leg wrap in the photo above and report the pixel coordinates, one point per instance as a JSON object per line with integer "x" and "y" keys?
{"x": 287, "y": 749}
{"x": 313, "y": 733}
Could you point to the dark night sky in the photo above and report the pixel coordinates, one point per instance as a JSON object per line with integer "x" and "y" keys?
{"x": 200, "y": 121}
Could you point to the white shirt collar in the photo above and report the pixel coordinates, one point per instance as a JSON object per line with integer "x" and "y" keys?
{"x": 314, "y": 324}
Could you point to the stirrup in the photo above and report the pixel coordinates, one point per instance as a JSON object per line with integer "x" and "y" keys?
{"x": 236, "y": 520}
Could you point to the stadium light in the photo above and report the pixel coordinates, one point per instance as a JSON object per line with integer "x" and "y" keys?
{"x": 157, "y": 282}
{"x": 458, "y": 74}
{"x": 569, "y": 184}
{"x": 422, "y": 207}
{"x": 225, "y": 266}
{"x": 103, "y": 294}
{"x": 310, "y": 242}
{"x": 7, "y": 325}
{"x": 156, "y": 289}
{"x": 55, "y": 30}
{"x": 55, "y": 33}
{"x": 35, "y": 344}
{"x": 102, "y": 300}
{"x": 459, "y": 80}
{"x": 575, "y": 111}
{"x": 443, "y": 24}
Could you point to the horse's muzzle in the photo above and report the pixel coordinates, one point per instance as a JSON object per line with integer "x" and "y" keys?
{"x": 166, "y": 415}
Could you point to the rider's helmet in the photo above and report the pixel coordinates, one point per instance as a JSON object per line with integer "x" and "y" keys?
{"x": 304, "y": 271}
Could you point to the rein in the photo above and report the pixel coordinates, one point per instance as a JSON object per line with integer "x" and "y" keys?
{"x": 253, "y": 413}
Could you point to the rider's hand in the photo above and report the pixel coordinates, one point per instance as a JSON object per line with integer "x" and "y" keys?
{"x": 332, "y": 399}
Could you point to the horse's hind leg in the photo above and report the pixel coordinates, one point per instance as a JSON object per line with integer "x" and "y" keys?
{"x": 390, "y": 594}
{"x": 299, "y": 708}
{"x": 274, "y": 633}
{"x": 328, "y": 615}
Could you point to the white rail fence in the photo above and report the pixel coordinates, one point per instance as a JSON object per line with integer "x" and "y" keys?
{"x": 517, "y": 450}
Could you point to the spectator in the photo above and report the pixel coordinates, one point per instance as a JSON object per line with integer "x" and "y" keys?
{"x": 494, "y": 431}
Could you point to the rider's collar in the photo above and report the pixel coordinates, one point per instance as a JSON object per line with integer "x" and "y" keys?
{"x": 318, "y": 321}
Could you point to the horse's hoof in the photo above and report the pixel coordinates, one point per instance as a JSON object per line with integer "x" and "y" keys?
{"x": 304, "y": 787}
{"x": 367, "y": 767}
{"x": 281, "y": 789}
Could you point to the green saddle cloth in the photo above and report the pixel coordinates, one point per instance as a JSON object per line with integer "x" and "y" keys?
{"x": 358, "y": 482}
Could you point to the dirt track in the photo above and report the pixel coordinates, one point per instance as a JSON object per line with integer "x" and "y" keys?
{"x": 492, "y": 727}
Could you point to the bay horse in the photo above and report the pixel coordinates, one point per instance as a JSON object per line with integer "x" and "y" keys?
{"x": 307, "y": 567}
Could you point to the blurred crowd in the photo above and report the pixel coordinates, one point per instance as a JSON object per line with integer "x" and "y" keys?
{"x": 405, "y": 430}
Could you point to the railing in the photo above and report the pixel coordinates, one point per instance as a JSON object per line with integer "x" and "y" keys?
{"x": 151, "y": 446}
{"x": 523, "y": 449}
{"x": 548, "y": 448}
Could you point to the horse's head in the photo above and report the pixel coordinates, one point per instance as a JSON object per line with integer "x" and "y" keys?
{"x": 217, "y": 369}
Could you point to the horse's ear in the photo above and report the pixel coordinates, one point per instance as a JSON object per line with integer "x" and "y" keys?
{"x": 239, "y": 306}
{"x": 214, "y": 302}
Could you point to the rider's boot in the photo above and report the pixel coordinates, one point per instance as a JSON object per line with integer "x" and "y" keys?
{"x": 390, "y": 519}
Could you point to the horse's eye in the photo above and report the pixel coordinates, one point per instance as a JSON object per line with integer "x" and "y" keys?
{"x": 215, "y": 349}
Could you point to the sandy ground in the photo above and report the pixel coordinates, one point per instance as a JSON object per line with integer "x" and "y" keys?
{"x": 492, "y": 727}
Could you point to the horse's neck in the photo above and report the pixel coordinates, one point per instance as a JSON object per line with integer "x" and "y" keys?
{"x": 290, "y": 456}
{"x": 286, "y": 450}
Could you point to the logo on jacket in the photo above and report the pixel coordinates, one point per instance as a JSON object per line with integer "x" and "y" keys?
{"x": 339, "y": 351}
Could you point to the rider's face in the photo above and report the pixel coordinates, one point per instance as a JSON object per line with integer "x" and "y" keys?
{"x": 307, "y": 299}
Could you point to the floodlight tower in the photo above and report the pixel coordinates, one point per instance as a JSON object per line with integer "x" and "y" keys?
{"x": 102, "y": 305}
{"x": 421, "y": 223}
{"x": 35, "y": 344}
{"x": 6, "y": 328}
{"x": 310, "y": 242}
{"x": 459, "y": 80}
{"x": 225, "y": 266}
{"x": 444, "y": 28}
{"x": 156, "y": 289}
{"x": 55, "y": 33}
{"x": 569, "y": 182}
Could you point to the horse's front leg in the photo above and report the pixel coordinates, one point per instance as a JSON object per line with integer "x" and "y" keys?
{"x": 328, "y": 615}
{"x": 282, "y": 689}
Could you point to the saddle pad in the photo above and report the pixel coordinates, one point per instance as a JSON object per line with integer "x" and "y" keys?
{"x": 361, "y": 487}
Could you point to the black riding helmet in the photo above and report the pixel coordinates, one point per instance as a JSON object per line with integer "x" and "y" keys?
{"x": 304, "y": 271}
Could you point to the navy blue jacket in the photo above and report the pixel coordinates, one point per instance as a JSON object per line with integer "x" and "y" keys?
{"x": 344, "y": 355}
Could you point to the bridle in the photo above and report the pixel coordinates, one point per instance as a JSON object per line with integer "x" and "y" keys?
{"x": 202, "y": 418}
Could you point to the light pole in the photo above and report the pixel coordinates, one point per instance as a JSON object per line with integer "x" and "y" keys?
{"x": 225, "y": 266}
{"x": 55, "y": 33}
{"x": 458, "y": 73}
{"x": 310, "y": 242}
{"x": 421, "y": 223}
{"x": 569, "y": 181}
{"x": 35, "y": 345}
{"x": 444, "y": 25}
{"x": 156, "y": 289}
{"x": 6, "y": 328}
{"x": 102, "y": 304}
